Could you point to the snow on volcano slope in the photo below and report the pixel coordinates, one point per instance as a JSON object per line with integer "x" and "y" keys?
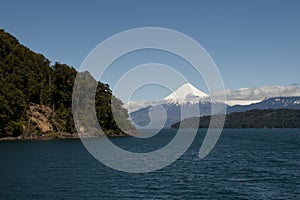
{"x": 185, "y": 102}
{"x": 187, "y": 93}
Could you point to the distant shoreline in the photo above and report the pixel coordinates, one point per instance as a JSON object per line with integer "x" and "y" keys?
{"x": 258, "y": 119}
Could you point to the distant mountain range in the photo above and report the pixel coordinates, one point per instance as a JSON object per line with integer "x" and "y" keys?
{"x": 189, "y": 99}
{"x": 269, "y": 103}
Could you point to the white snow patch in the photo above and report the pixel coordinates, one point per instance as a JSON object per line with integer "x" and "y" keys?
{"x": 296, "y": 102}
{"x": 241, "y": 102}
{"x": 187, "y": 93}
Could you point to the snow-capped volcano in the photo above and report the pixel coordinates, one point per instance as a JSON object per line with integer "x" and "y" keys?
{"x": 187, "y": 93}
{"x": 185, "y": 102}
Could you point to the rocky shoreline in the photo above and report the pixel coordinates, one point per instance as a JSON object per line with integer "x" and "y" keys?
{"x": 59, "y": 136}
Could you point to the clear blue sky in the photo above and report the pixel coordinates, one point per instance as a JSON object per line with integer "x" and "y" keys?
{"x": 252, "y": 42}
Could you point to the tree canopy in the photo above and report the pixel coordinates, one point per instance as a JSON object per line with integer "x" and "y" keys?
{"x": 27, "y": 78}
{"x": 270, "y": 118}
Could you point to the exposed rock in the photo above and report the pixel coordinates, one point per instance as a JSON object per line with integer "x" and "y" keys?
{"x": 44, "y": 123}
{"x": 41, "y": 115}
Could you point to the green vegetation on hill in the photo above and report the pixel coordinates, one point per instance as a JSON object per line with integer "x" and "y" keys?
{"x": 271, "y": 118}
{"x": 36, "y": 98}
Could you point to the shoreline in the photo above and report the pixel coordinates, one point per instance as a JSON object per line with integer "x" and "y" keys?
{"x": 59, "y": 137}
{"x": 76, "y": 136}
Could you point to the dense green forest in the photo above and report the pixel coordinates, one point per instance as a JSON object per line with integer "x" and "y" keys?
{"x": 271, "y": 118}
{"x": 36, "y": 98}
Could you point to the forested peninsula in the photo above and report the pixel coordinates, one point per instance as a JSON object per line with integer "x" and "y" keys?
{"x": 269, "y": 118}
{"x": 36, "y": 97}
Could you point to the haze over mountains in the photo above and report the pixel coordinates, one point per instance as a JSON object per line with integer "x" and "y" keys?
{"x": 188, "y": 101}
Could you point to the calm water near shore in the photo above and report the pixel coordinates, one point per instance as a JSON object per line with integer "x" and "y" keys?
{"x": 245, "y": 164}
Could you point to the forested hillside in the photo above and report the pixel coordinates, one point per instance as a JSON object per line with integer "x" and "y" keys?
{"x": 36, "y": 98}
{"x": 271, "y": 118}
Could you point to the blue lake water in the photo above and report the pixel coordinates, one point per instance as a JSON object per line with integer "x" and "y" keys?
{"x": 245, "y": 164}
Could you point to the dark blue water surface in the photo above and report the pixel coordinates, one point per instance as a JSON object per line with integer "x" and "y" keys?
{"x": 245, "y": 164}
